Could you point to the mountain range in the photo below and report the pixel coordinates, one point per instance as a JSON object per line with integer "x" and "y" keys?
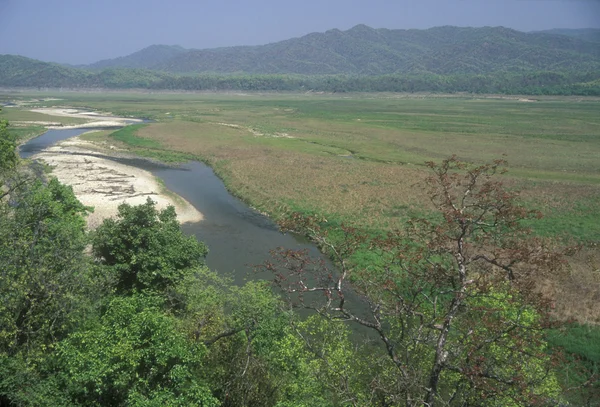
{"x": 449, "y": 55}
{"x": 363, "y": 50}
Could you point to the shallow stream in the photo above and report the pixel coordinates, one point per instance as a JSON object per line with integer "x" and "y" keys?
{"x": 237, "y": 236}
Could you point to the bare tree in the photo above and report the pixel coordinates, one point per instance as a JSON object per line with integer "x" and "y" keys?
{"x": 452, "y": 298}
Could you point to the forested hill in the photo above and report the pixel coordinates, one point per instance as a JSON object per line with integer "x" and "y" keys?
{"x": 588, "y": 34}
{"x": 145, "y": 58}
{"x": 366, "y": 51}
{"x": 362, "y": 59}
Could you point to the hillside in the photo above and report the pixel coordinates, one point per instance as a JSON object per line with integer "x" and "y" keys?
{"x": 145, "y": 58}
{"x": 16, "y": 70}
{"x": 587, "y": 34}
{"x": 366, "y": 51}
{"x": 362, "y": 59}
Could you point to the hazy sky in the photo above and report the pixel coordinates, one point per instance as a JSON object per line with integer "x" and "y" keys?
{"x": 84, "y": 31}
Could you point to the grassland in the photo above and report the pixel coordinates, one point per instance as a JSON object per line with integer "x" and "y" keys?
{"x": 359, "y": 158}
{"x": 25, "y": 124}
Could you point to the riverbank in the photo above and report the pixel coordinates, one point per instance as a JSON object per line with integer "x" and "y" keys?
{"x": 96, "y": 119}
{"x": 99, "y": 181}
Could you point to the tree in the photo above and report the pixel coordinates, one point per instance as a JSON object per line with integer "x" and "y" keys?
{"x": 10, "y": 179}
{"x": 241, "y": 327}
{"x": 8, "y": 148}
{"x": 45, "y": 284}
{"x": 145, "y": 249}
{"x": 136, "y": 356}
{"x": 43, "y": 267}
{"x": 230, "y": 327}
{"x": 452, "y": 300}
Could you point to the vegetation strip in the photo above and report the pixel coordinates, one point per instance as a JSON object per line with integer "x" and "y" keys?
{"x": 243, "y": 157}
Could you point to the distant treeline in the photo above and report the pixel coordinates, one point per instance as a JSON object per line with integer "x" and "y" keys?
{"x": 531, "y": 83}
{"x": 18, "y": 71}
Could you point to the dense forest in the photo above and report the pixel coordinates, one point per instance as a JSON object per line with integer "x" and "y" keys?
{"x": 363, "y": 50}
{"x": 362, "y": 59}
{"x": 128, "y": 314}
{"x": 21, "y": 72}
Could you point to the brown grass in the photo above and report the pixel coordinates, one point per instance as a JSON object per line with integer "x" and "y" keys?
{"x": 371, "y": 193}
{"x": 359, "y": 158}
{"x": 577, "y": 294}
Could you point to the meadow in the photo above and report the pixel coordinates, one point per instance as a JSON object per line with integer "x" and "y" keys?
{"x": 359, "y": 158}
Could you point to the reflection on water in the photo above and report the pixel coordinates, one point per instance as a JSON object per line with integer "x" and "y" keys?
{"x": 237, "y": 236}
{"x": 47, "y": 139}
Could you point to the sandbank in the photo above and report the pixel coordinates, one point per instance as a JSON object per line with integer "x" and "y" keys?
{"x": 104, "y": 184}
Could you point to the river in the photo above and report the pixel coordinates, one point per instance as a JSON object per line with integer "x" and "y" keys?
{"x": 237, "y": 236}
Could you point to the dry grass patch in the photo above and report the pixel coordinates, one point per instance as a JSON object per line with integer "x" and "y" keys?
{"x": 577, "y": 295}
{"x": 19, "y": 117}
{"x": 370, "y": 193}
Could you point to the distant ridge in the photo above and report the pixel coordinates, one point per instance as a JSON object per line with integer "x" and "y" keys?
{"x": 361, "y": 59}
{"x": 587, "y": 34}
{"x": 145, "y": 58}
{"x": 363, "y": 50}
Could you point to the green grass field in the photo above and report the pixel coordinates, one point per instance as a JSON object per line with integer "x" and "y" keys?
{"x": 359, "y": 157}
{"x": 25, "y": 124}
{"x": 18, "y": 115}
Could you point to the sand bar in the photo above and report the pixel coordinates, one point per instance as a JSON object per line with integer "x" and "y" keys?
{"x": 104, "y": 184}
{"x": 95, "y": 119}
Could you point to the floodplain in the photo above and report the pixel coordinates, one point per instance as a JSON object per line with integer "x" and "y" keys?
{"x": 360, "y": 158}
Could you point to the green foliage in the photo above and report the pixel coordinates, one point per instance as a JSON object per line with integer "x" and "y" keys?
{"x": 42, "y": 238}
{"x": 145, "y": 248}
{"x": 517, "y": 358}
{"x": 326, "y": 367}
{"x": 241, "y": 326}
{"x": 128, "y": 136}
{"x": 46, "y": 289}
{"x": 134, "y": 356}
{"x": 23, "y": 384}
{"x": 8, "y": 148}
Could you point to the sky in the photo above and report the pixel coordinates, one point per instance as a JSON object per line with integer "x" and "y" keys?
{"x": 85, "y": 31}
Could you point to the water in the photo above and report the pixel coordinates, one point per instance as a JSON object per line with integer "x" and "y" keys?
{"x": 237, "y": 236}
{"x": 47, "y": 139}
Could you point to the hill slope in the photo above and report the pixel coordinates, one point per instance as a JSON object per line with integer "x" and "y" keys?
{"x": 366, "y": 51}
{"x": 145, "y": 58}
{"x": 587, "y": 34}
{"x": 16, "y": 70}
{"x": 441, "y": 59}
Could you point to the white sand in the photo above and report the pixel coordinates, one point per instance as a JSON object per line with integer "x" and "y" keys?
{"x": 105, "y": 184}
{"x": 95, "y": 119}
{"x": 100, "y": 123}
{"x": 84, "y": 114}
